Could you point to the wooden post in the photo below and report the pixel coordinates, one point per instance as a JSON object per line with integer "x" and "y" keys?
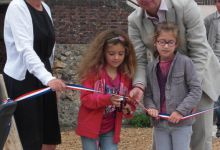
{"x": 13, "y": 140}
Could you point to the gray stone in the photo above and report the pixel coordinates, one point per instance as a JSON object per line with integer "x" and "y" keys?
{"x": 67, "y": 58}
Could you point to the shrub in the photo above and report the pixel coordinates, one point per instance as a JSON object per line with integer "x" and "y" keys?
{"x": 140, "y": 120}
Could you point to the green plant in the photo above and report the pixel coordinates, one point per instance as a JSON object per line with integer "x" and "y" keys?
{"x": 140, "y": 120}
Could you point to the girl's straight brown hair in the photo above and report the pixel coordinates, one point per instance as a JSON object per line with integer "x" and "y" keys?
{"x": 166, "y": 27}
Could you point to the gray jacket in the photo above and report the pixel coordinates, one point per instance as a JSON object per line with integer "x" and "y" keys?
{"x": 183, "y": 89}
{"x": 212, "y": 24}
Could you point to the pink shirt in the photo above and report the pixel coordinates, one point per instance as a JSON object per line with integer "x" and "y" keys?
{"x": 164, "y": 68}
{"x": 108, "y": 121}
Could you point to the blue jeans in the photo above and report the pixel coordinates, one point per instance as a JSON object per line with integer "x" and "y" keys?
{"x": 104, "y": 142}
{"x": 217, "y": 113}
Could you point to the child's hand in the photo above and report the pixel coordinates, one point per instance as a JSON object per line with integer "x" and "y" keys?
{"x": 175, "y": 117}
{"x": 152, "y": 112}
{"x": 115, "y": 100}
{"x": 127, "y": 110}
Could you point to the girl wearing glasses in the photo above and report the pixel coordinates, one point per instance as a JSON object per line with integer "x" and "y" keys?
{"x": 173, "y": 89}
{"x": 108, "y": 67}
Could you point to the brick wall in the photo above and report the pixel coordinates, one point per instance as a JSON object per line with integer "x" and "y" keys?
{"x": 205, "y": 2}
{"x": 87, "y": 2}
{"x": 82, "y": 2}
{"x": 79, "y": 23}
{"x": 76, "y": 21}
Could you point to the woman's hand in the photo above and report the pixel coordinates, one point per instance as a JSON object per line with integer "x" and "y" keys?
{"x": 57, "y": 85}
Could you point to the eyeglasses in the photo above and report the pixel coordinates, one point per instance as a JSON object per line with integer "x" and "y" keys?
{"x": 170, "y": 43}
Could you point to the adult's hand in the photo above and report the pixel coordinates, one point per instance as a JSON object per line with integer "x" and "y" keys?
{"x": 136, "y": 93}
{"x": 57, "y": 85}
{"x": 153, "y": 112}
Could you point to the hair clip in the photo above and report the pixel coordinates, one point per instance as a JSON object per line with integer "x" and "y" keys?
{"x": 120, "y": 38}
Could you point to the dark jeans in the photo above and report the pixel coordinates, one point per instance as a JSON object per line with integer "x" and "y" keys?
{"x": 217, "y": 113}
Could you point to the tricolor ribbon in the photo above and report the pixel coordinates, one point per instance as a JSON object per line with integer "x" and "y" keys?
{"x": 166, "y": 116}
{"x": 79, "y": 87}
{"x": 42, "y": 91}
{"x": 28, "y": 95}
{"x": 33, "y": 94}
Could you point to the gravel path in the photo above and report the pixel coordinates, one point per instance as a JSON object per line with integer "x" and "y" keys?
{"x": 131, "y": 139}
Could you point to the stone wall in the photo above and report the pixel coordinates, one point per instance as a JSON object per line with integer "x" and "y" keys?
{"x": 65, "y": 67}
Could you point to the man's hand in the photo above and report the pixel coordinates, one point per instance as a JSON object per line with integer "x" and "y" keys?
{"x": 136, "y": 93}
{"x": 153, "y": 112}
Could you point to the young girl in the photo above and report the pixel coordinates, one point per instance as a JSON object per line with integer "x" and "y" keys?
{"x": 173, "y": 88}
{"x": 108, "y": 67}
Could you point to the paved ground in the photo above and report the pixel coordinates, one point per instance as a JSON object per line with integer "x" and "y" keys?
{"x": 214, "y": 131}
{"x": 131, "y": 139}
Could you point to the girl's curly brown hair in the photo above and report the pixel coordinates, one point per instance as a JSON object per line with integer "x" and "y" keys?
{"x": 94, "y": 58}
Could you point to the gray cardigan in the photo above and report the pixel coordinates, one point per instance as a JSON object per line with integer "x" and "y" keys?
{"x": 183, "y": 89}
